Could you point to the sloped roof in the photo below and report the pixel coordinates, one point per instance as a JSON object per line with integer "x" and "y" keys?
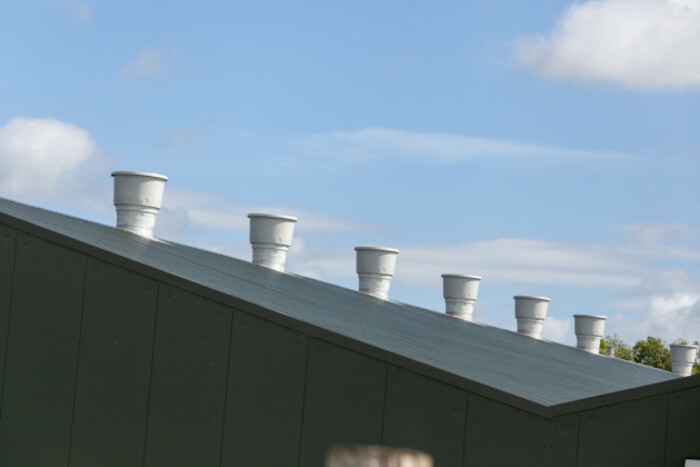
{"x": 481, "y": 358}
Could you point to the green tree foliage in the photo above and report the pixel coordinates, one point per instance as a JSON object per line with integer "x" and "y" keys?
{"x": 652, "y": 352}
{"x": 619, "y": 348}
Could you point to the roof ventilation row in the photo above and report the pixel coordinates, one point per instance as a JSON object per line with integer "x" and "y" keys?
{"x": 138, "y": 197}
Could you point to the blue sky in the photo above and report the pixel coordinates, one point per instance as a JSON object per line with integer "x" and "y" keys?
{"x": 550, "y": 147}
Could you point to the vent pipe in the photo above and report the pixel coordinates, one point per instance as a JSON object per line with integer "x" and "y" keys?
{"x": 683, "y": 358}
{"x": 589, "y": 330}
{"x": 460, "y": 294}
{"x": 375, "y": 267}
{"x": 271, "y": 237}
{"x": 138, "y": 197}
{"x": 530, "y": 313}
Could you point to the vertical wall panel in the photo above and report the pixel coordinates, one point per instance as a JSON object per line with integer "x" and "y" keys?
{"x": 8, "y": 238}
{"x": 188, "y": 386}
{"x": 344, "y": 400}
{"x": 498, "y": 434}
{"x": 265, "y": 394}
{"x": 42, "y": 354}
{"x": 114, "y": 367}
{"x": 632, "y": 433}
{"x": 683, "y": 436}
{"x": 424, "y": 414}
{"x": 564, "y": 436}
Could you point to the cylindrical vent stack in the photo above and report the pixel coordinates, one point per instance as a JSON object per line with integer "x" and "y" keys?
{"x": 682, "y": 358}
{"x": 530, "y": 312}
{"x": 375, "y": 268}
{"x": 138, "y": 197}
{"x": 460, "y": 293}
{"x": 589, "y": 330}
{"x": 271, "y": 237}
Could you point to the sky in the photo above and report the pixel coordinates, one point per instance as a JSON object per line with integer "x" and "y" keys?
{"x": 552, "y": 148}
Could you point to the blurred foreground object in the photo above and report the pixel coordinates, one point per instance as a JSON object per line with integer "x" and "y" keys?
{"x": 376, "y": 456}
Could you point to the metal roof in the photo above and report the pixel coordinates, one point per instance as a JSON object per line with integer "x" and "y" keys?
{"x": 476, "y": 356}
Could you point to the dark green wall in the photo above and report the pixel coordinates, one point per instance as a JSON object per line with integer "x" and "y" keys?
{"x": 102, "y": 366}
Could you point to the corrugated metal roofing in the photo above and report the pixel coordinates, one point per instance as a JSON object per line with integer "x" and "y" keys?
{"x": 544, "y": 373}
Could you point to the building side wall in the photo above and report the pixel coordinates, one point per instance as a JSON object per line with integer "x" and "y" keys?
{"x": 114, "y": 367}
{"x": 631, "y": 433}
{"x": 41, "y": 354}
{"x": 658, "y": 430}
{"x": 683, "y": 433}
{"x": 8, "y": 240}
{"x": 501, "y": 435}
{"x": 104, "y": 366}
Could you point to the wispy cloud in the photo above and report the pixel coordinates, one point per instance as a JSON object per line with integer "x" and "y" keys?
{"x": 645, "y": 44}
{"x": 197, "y": 136}
{"x": 676, "y": 242}
{"x": 197, "y": 211}
{"x": 83, "y": 12}
{"x": 180, "y": 137}
{"x": 383, "y": 143}
{"x": 149, "y": 62}
{"x": 650, "y": 233}
{"x": 502, "y": 261}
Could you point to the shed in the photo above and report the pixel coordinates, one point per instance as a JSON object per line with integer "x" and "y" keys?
{"x": 121, "y": 350}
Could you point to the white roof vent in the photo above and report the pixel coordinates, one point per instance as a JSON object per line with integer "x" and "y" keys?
{"x": 138, "y": 197}
{"x": 271, "y": 237}
{"x": 589, "y": 330}
{"x": 682, "y": 358}
{"x": 530, "y": 312}
{"x": 460, "y": 293}
{"x": 375, "y": 267}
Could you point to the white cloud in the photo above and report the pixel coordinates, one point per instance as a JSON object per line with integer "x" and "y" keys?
{"x": 322, "y": 262}
{"x": 557, "y": 330}
{"x": 383, "y": 143}
{"x": 148, "y": 62}
{"x": 643, "y": 44}
{"x": 47, "y": 159}
{"x": 666, "y": 305}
